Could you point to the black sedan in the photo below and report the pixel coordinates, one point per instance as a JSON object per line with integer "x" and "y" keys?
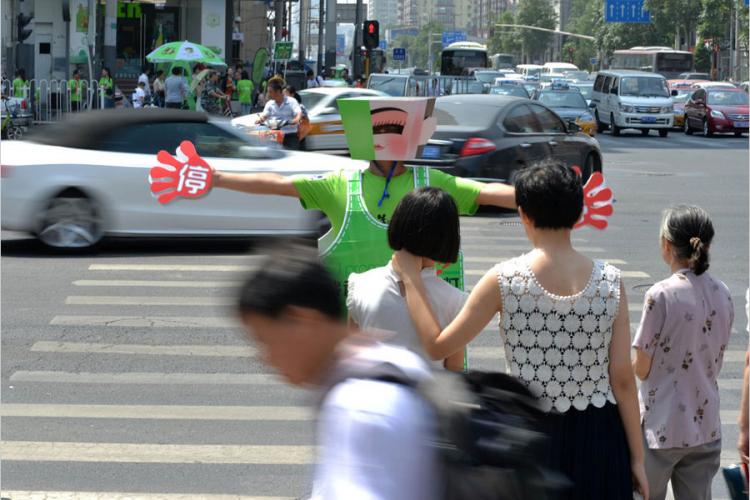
{"x": 492, "y": 136}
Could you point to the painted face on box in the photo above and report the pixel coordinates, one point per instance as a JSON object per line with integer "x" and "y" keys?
{"x": 387, "y": 128}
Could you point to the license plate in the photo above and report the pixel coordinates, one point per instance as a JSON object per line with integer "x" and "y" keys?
{"x": 648, "y": 119}
{"x": 431, "y": 152}
{"x": 741, "y": 124}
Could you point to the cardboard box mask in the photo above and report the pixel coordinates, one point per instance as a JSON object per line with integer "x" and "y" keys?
{"x": 387, "y": 128}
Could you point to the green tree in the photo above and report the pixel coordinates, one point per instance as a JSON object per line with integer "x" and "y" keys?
{"x": 584, "y": 16}
{"x": 539, "y": 13}
{"x": 676, "y": 17}
{"x": 417, "y": 48}
{"x": 505, "y": 40}
{"x": 702, "y": 57}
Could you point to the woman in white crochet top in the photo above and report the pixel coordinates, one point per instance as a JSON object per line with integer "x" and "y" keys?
{"x": 565, "y": 328}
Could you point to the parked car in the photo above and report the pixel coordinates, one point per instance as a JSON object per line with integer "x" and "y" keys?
{"x": 393, "y": 85}
{"x": 694, "y": 76}
{"x": 569, "y": 105}
{"x": 586, "y": 89}
{"x": 705, "y": 85}
{"x": 576, "y": 75}
{"x": 624, "y": 99}
{"x": 87, "y": 178}
{"x": 514, "y": 90}
{"x": 322, "y": 108}
{"x": 492, "y": 136}
{"x": 717, "y": 110}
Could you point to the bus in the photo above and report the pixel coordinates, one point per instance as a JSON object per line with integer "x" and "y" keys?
{"x": 457, "y": 58}
{"x": 503, "y": 61}
{"x": 663, "y": 60}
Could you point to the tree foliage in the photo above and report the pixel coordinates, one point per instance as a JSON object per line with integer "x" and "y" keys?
{"x": 539, "y": 13}
{"x": 417, "y": 48}
{"x": 505, "y": 40}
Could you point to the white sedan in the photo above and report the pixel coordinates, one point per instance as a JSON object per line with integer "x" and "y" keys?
{"x": 321, "y": 104}
{"x": 88, "y": 178}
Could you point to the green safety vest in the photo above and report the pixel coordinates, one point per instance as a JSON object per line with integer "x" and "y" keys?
{"x": 362, "y": 242}
{"x": 75, "y": 90}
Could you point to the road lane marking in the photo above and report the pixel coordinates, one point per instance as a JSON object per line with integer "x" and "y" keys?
{"x": 623, "y": 274}
{"x": 160, "y": 284}
{"x": 227, "y": 351}
{"x": 156, "y": 300}
{"x": 216, "y": 268}
{"x": 147, "y": 321}
{"x": 38, "y": 451}
{"x": 160, "y": 412}
{"x": 118, "y": 495}
{"x": 146, "y": 378}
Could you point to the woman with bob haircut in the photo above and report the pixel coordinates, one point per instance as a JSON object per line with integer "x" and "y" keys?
{"x": 564, "y": 325}
{"x": 425, "y": 222}
{"x": 680, "y": 344}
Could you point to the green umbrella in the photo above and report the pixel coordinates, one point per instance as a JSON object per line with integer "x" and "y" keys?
{"x": 185, "y": 51}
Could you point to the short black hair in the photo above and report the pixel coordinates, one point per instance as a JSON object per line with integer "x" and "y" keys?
{"x": 425, "y": 223}
{"x": 290, "y": 275}
{"x": 550, "y": 194}
{"x": 245, "y": 75}
{"x": 310, "y": 72}
{"x": 160, "y": 72}
{"x": 276, "y": 84}
{"x": 176, "y": 70}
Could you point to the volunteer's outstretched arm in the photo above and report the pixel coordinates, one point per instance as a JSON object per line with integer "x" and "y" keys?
{"x": 499, "y": 195}
{"x": 262, "y": 183}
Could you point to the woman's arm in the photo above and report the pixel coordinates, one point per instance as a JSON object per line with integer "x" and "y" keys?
{"x": 480, "y": 307}
{"x": 642, "y": 364}
{"x": 625, "y": 391}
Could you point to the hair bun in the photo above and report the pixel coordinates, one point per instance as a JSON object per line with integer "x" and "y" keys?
{"x": 695, "y": 242}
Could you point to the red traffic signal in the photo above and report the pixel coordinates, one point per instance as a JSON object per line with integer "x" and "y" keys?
{"x": 371, "y": 38}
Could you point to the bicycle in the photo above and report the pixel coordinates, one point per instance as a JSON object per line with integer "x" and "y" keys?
{"x": 9, "y": 129}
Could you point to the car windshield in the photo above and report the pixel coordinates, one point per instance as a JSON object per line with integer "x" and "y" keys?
{"x": 311, "y": 99}
{"x": 586, "y": 90}
{"x": 680, "y": 98}
{"x": 391, "y": 85}
{"x": 457, "y": 112}
{"x": 562, "y": 99}
{"x": 643, "y": 86}
{"x": 576, "y": 75}
{"x": 488, "y": 76}
{"x": 726, "y": 98}
{"x": 513, "y": 90}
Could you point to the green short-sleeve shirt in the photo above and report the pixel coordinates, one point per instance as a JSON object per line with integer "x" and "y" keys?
{"x": 245, "y": 89}
{"x": 327, "y": 193}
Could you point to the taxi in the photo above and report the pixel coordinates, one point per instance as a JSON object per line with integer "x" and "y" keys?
{"x": 569, "y": 104}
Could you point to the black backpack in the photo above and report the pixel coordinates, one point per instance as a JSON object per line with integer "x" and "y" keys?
{"x": 490, "y": 435}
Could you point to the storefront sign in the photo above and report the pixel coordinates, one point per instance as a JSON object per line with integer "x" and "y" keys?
{"x": 128, "y": 10}
{"x": 213, "y": 25}
{"x": 79, "y": 29}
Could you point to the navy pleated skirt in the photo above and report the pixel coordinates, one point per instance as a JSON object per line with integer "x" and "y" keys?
{"x": 590, "y": 448}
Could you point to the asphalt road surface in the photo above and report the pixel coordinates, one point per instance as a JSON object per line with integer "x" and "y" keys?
{"x": 124, "y": 373}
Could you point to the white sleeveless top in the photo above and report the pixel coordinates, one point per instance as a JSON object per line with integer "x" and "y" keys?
{"x": 559, "y": 346}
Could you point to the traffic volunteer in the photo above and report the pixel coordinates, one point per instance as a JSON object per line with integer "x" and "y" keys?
{"x": 359, "y": 203}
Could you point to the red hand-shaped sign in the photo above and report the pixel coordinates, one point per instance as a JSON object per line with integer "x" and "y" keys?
{"x": 597, "y": 202}
{"x": 184, "y": 175}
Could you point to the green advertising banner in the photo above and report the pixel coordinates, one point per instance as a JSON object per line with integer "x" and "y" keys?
{"x": 282, "y": 51}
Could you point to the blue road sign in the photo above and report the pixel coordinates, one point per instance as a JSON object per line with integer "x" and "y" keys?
{"x": 399, "y": 54}
{"x": 626, "y": 11}
{"x": 382, "y": 44}
{"x": 594, "y": 61}
{"x": 747, "y": 3}
{"x": 453, "y": 36}
{"x": 340, "y": 45}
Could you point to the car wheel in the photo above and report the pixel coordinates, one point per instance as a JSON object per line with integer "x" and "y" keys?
{"x": 686, "y": 127}
{"x": 71, "y": 221}
{"x": 589, "y": 167}
{"x": 600, "y": 127}
{"x": 645, "y": 131}
{"x": 707, "y": 129}
{"x": 613, "y": 126}
{"x": 663, "y": 132}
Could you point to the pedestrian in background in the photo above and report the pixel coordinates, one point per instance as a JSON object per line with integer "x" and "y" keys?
{"x": 175, "y": 89}
{"x": 144, "y": 77}
{"x": 245, "y": 90}
{"x": 312, "y": 80}
{"x": 212, "y": 96}
{"x": 20, "y": 84}
{"x": 139, "y": 95}
{"x": 425, "y": 222}
{"x": 680, "y": 345}
{"x": 75, "y": 86}
{"x": 565, "y": 327}
{"x": 159, "y": 90}
{"x": 373, "y": 436}
{"x": 107, "y": 88}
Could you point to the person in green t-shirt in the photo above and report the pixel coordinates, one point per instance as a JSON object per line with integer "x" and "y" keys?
{"x": 76, "y": 91}
{"x": 107, "y": 89}
{"x": 20, "y": 84}
{"x": 245, "y": 90}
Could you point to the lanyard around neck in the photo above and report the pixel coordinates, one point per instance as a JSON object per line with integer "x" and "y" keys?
{"x": 387, "y": 181}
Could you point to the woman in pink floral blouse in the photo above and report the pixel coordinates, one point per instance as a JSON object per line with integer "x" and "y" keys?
{"x": 680, "y": 347}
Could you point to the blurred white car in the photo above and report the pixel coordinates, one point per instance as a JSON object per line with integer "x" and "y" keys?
{"x": 321, "y": 104}
{"x": 88, "y": 178}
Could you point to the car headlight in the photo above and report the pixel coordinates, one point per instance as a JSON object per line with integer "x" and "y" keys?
{"x": 667, "y": 109}
{"x": 626, "y": 108}
{"x": 586, "y": 117}
{"x": 717, "y": 114}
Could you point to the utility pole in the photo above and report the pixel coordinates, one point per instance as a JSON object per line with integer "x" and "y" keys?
{"x": 430, "y": 36}
{"x": 278, "y": 19}
{"x": 357, "y": 52}
{"x": 330, "y": 34}
{"x": 736, "y": 44}
{"x": 321, "y": 22}
{"x": 304, "y": 21}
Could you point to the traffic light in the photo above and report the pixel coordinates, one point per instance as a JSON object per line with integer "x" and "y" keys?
{"x": 22, "y": 23}
{"x": 371, "y": 37}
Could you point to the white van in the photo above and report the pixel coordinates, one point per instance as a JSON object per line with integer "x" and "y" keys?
{"x": 529, "y": 70}
{"x": 632, "y": 99}
{"x": 558, "y": 67}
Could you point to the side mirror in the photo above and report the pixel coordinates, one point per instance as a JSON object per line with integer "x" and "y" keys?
{"x": 674, "y": 92}
{"x": 573, "y": 126}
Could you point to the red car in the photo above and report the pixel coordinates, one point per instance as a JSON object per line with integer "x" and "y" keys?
{"x": 717, "y": 110}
